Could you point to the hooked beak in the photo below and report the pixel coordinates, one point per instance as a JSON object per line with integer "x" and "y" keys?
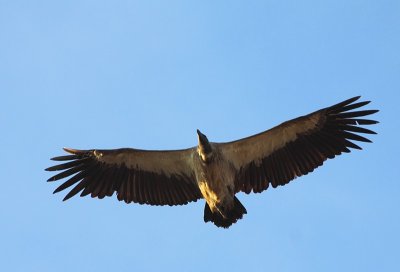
{"x": 204, "y": 149}
{"x": 202, "y": 138}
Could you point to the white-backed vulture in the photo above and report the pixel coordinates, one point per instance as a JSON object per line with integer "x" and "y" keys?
{"x": 217, "y": 171}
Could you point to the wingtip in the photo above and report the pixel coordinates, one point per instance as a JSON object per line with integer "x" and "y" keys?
{"x": 353, "y": 99}
{"x": 345, "y": 103}
{"x": 72, "y": 150}
{"x": 50, "y": 179}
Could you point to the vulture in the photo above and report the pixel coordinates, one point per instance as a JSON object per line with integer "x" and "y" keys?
{"x": 216, "y": 171}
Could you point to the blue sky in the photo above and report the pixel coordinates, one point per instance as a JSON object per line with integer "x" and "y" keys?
{"x": 147, "y": 74}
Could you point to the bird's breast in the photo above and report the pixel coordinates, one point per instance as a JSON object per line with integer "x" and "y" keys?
{"x": 216, "y": 183}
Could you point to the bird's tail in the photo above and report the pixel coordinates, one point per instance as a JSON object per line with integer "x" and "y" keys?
{"x": 231, "y": 216}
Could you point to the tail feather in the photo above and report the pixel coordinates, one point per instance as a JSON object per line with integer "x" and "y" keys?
{"x": 231, "y": 216}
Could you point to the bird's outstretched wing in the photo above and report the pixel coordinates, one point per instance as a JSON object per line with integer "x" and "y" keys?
{"x": 145, "y": 177}
{"x": 297, "y": 147}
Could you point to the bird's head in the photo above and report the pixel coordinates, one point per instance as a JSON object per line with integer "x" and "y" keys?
{"x": 204, "y": 148}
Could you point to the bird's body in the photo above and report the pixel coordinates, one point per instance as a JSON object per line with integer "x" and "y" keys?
{"x": 217, "y": 171}
{"x": 216, "y": 180}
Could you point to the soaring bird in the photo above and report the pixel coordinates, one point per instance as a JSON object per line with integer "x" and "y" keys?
{"x": 216, "y": 171}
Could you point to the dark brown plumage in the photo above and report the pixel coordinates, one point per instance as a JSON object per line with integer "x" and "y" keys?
{"x": 216, "y": 171}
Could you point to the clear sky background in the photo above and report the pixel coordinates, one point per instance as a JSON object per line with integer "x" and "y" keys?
{"x": 146, "y": 74}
